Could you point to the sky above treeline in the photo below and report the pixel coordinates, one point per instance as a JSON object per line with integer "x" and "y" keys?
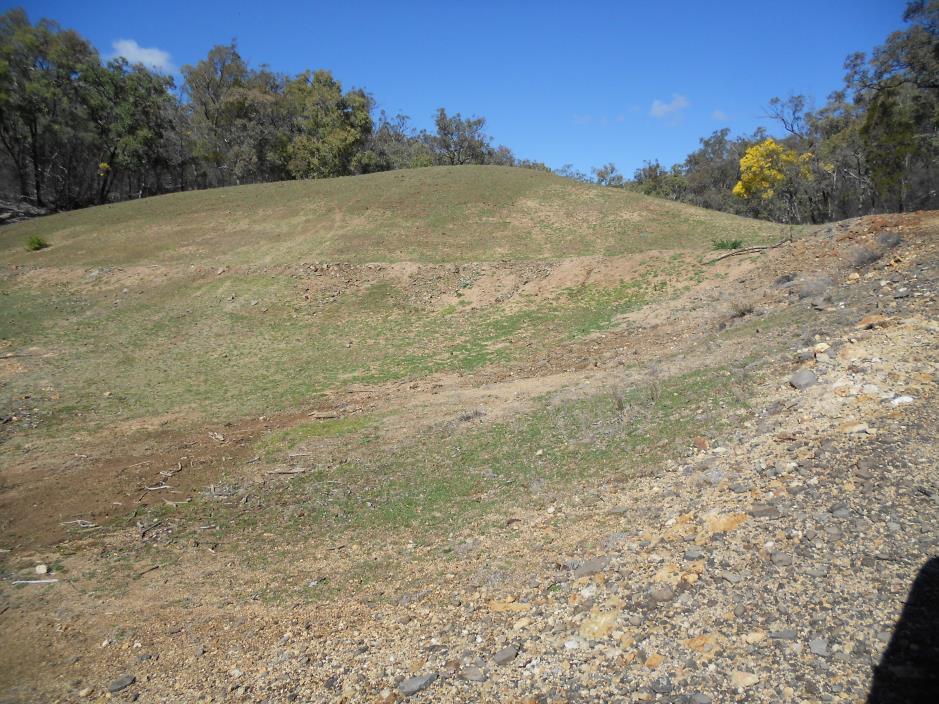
{"x": 558, "y": 82}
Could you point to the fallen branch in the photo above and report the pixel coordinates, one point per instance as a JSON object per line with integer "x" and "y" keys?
{"x": 298, "y": 470}
{"x": 34, "y": 581}
{"x": 750, "y": 250}
{"x": 149, "y": 569}
{"x": 80, "y": 522}
{"x": 171, "y": 472}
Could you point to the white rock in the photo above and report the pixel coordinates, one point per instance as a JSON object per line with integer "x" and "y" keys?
{"x": 742, "y": 679}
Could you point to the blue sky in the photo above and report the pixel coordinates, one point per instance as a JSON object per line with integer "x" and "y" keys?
{"x": 576, "y": 82}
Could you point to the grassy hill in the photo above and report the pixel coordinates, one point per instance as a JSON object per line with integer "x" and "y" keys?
{"x": 442, "y": 214}
{"x": 195, "y": 305}
{"x": 428, "y": 394}
{"x": 146, "y": 323}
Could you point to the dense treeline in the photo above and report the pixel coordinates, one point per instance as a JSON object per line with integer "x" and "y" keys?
{"x": 77, "y": 131}
{"x": 873, "y": 146}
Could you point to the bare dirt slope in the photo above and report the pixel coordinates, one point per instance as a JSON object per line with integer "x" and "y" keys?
{"x": 648, "y": 511}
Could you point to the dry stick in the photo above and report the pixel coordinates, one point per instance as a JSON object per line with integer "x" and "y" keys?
{"x": 149, "y": 569}
{"x": 171, "y": 472}
{"x": 150, "y": 527}
{"x": 750, "y": 250}
{"x": 81, "y": 522}
{"x": 34, "y": 581}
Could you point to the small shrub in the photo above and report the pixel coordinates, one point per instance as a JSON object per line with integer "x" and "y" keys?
{"x": 814, "y": 285}
{"x": 862, "y": 256}
{"x": 888, "y": 240}
{"x": 728, "y": 244}
{"x": 471, "y": 415}
{"x": 741, "y": 309}
{"x": 35, "y": 243}
{"x": 619, "y": 402}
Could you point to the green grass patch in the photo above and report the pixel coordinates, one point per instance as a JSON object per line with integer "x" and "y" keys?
{"x": 280, "y": 441}
{"x": 35, "y": 243}
{"x": 442, "y": 479}
{"x": 198, "y": 348}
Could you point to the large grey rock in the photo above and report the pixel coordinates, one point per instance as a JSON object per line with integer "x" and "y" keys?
{"x": 506, "y": 655}
{"x": 121, "y": 682}
{"x": 413, "y": 685}
{"x": 472, "y": 674}
{"x": 803, "y": 379}
{"x": 764, "y": 511}
{"x": 662, "y": 685}
{"x": 784, "y": 634}
{"x": 663, "y": 593}
{"x": 591, "y": 567}
{"x": 819, "y": 646}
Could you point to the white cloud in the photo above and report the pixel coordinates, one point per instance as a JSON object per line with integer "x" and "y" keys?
{"x": 661, "y": 109}
{"x": 151, "y": 57}
{"x": 720, "y": 116}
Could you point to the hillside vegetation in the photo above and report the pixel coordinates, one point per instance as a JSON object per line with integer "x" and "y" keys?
{"x": 248, "y": 301}
{"x": 438, "y": 214}
{"x": 415, "y": 433}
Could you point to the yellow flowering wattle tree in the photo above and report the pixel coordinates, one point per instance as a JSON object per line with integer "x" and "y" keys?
{"x": 772, "y": 171}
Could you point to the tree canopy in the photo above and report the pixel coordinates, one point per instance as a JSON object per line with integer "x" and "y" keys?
{"x": 872, "y": 147}
{"x": 76, "y": 131}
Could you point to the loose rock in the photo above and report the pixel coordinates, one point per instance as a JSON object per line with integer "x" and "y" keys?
{"x": 413, "y": 685}
{"x": 122, "y": 682}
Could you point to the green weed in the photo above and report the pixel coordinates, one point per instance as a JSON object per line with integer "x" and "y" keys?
{"x": 35, "y": 243}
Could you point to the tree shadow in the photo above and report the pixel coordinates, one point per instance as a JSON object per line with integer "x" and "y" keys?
{"x": 909, "y": 669}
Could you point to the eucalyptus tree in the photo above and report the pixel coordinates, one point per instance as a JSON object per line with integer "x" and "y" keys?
{"x": 213, "y": 88}
{"x": 458, "y": 140}
{"x": 43, "y": 125}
